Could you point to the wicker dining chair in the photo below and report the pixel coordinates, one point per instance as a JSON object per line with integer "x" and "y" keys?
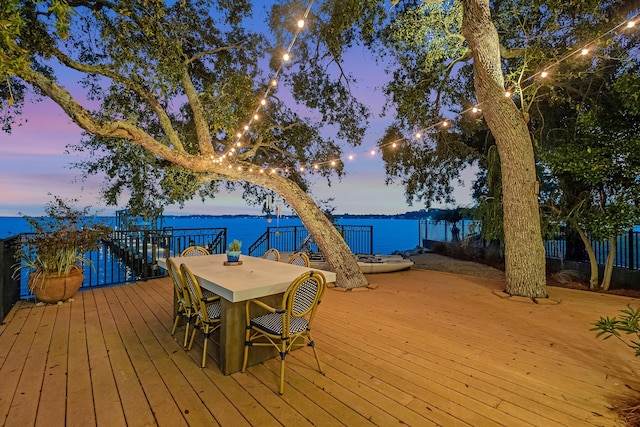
{"x": 194, "y": 251}
{"x": 272, "y": 255}
{"x": 207, "y": 312}
{"x": 183, "y": 300}
{"x": 288, "y": 326}
{"x": 300, "y": 258}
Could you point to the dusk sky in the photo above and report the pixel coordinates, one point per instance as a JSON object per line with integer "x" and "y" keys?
{"x": 34, "y": 166}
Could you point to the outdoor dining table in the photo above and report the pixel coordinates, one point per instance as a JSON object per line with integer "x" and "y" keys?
{"x": 254, "y": 278}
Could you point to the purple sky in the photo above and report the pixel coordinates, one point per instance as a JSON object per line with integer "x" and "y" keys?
{"x": 33, "y": 164}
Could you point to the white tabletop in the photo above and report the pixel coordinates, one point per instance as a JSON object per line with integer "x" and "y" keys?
{"x": 255, "y": 278}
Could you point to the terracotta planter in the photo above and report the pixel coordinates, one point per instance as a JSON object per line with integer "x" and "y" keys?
{"x": 51, "y": 287}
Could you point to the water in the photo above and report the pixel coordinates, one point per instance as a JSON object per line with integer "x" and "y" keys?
{"x": 389, "y": 234}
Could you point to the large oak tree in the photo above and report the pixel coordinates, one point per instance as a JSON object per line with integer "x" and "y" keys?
{"x": 168, "y": 91}
{"x": 444, "y": 57}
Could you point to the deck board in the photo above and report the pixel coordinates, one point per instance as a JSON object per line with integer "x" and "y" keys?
{"x": 424, "y": 348}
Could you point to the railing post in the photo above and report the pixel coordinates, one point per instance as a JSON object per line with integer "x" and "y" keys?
{"x": 631, "y": 249}
{"x": 145, "y": 255}
{"x": 371, "y": 239}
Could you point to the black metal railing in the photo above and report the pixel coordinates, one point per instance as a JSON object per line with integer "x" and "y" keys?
{"x": 125, "y": 256}
{"x": 626, "y": 255}
{"x": 359, "y": 238}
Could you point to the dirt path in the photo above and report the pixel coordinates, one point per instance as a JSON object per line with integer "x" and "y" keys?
{"x": 430, "y": 261}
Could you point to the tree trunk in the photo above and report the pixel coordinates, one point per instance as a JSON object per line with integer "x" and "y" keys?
{"x": 608, "y": 266}
{"x": 525, "y": 268}
{"x": 593, "y": 262}
{"x": 326, "y": 236}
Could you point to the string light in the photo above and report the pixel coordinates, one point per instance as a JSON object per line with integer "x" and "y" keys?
{"x": 418, "y": 135}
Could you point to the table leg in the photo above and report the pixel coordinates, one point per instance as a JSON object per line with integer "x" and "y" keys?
{"x": 232, "y": 333}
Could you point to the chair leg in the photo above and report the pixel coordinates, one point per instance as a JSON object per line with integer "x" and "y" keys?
{"x": 204, "y": 347}
{"x": 312, "y": 344}
{"x": 193, "y": 335}
{"x": 175, "y": 324}
{"x": 283, "y": 355}
{"x": 186, "y": 333}
{"x": 245, "y": 358}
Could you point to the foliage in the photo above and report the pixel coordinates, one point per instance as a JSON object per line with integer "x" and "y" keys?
{"x": 60, "y": 238}
{"x": 174, "y": 103}
{"x": 628, "y": 323}
{"x": 183, "y": 76}
{"x": 235, "y": 246}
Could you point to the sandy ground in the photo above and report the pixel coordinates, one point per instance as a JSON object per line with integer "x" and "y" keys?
{"x": 430, "y": 261}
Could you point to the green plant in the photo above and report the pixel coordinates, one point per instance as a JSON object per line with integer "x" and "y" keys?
{"x": 628, "y": 323}
{"x": 59, "y": 239}
{"x": 235, "y": 246}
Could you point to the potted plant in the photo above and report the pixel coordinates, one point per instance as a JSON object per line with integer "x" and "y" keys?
{"x": 233, "y": 254}
{"x": 54, "y": 250}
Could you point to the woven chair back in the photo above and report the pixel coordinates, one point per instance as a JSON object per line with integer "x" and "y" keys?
{"x": 195, "y": 292}
{"x": 272, "y": 255}
{"x": 300, "y": 258}
{"x": 195, "y": 251}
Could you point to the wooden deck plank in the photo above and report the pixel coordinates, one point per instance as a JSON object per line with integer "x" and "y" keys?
{"x": 13, "y": 366}
{"x": 418, "y": 349}
{"x": 420, "y": 387}
{"x": 218, "y": 392}
{"x": 305, "y": 398}
{"x": 52, "y": 407}
{"x": 412, "y": 351}
{"x": 159, "y": 397}
{"x": 443, "y": 390}
{"x": 25, "y": 402}
{"x": 134, "y": 403}
{"x": 182, "y": 393}
{"x": 108, "y": 404}
{"x": 10, "y": 329}
{"x": 80, "y": 403}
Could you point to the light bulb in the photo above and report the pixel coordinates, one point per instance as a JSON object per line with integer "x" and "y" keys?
{"x": 584, "y": 51}
{"x": 300, "y": 23}
{"x": 418, "y": 135}
{"x": 544, "y": 74}
{"x": 286, "y": 56}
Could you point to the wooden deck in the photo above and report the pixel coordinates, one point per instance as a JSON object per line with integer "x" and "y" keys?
{"x": 424, "y": 348}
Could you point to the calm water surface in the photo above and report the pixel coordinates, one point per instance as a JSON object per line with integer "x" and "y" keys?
{"x": 388, "y": 234}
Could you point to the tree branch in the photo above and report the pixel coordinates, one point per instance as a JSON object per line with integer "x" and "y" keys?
{"x": 163, "y": 117}
{"x": 202, "y": 128}
{"x": 211, "y": 52}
